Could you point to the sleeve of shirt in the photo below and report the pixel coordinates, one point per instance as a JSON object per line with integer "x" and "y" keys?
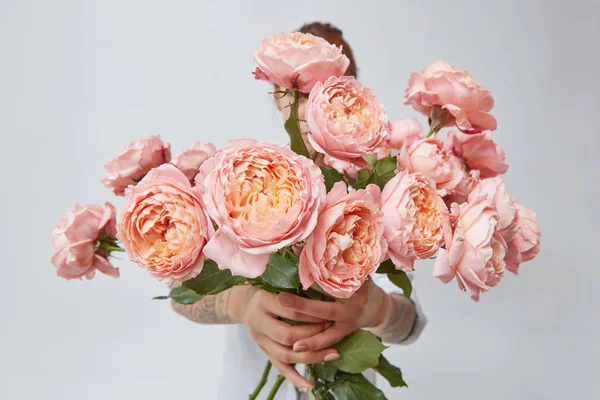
{"x": 384, "y": 283}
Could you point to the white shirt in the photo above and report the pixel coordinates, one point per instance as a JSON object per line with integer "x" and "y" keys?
{"x": 244, "y": 361}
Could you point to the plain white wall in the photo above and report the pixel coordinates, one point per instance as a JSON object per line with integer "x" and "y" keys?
{"x": 80, "y": 79}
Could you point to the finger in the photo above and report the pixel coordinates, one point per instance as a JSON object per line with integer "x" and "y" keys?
{"x": 290, "y": 373}
{"x": 324, "y": 339}
{"x": 330, "y": 311}
{"x": 287, "y": 334}
{"x": 286, "y": 355}
{"x": 284, "y": 312}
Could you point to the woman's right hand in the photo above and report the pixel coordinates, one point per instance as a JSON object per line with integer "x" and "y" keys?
{"x": 260, "y": 311}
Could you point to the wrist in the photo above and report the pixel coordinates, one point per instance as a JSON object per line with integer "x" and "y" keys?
{"x": 379, "y": 307}
{"x": 240, "y": 298}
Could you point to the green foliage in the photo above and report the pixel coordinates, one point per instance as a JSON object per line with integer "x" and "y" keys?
{"x": 182, "y": 296}
{"x": 331, "y": 176}
{"x": 390, "y": 372}
{"x": 212, "y": 280}
{"x": 396, "y": 276}
{"x": 292, "y": 127}
{"x": 281, "y": 273}
{"x": 358, "y": 352}
{"x": 356, "y": 387}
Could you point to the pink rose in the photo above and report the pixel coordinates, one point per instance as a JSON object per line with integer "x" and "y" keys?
{"x": 139, "y": 157}
{"x": 404, "y": 132}
{"x": 82, "y": 242}
{"x": 526, "y": 244}
{"x": 494, "y": 190}
{"x": 298, "y": 60}
{"x": 464, "y": 187}
{"x": 415, "y": 218}
{"x": 479, "y": 152}
{"x": 347, "y": 244}
{"x": 262, "y": 197}
{"x": 345, "y": 120}
{"x": 430, "y": 158}
{"x": 475, "y": 255}
{"x": 190, "y": 160}
{"x": 164, "y": 226}
{"x": 463, "y": 102}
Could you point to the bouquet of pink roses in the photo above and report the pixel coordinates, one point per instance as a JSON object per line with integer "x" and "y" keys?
{"x": 353, "y": 195}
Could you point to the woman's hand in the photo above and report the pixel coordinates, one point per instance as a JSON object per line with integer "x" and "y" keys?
{"x": 367, "y": 308}
{"x": 260, "y": 311}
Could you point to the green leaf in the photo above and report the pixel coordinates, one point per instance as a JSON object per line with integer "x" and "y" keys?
{"x": 371, "y": 159}
{"x": 358, "y": 352}
{"x": 325, "y": 371}
{"x": 212, "y": 280}
{"x": 403, "y": 282}
{"x": 362, "y": 178}
{"x": 384, "y": 171}
{"x": 262, "y": 285}
{"x": 281, "y": 273}
{"x": 292, "y": 127}
{"x": 357, "y": 389}
{"x": 396, "y": 276}
{"x": 331, "y": 176}
{"x": 390, "y": 372}
{"x": 184, "y": 296}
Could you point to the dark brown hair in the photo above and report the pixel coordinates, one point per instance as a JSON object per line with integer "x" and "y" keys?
{"x": 334, "y": 36}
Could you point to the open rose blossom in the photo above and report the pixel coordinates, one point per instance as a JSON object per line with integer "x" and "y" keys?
{"x": 494, "y": 190}
{"x": 347, "y": 244}
{"x": 475, "y": 255}
{"x": 345, "y": 120}
{"x": 190, "y": 159}
{"x": 298, "y": 60}
{"x": 262, "y": 197}
{"x": 467, "y": 103}
{"x": 462, "y": 190}
{"x": 82, "y": 242}
{"x": 479, "y": 152}
{"x": 526, "y": 244}
{"x": 164, "y": 225}
{"x": 139, "y": 157}
{"x": 414, "y": 218}
{"x": 430, "y": 158}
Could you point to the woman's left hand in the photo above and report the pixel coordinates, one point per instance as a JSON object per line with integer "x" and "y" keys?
{"x": 366, "y": 308}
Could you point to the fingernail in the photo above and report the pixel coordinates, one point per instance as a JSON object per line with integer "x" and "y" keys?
{"x": 299, "y": 348}
{"x": 284, "y": 300}
{"x": 304, "y": 389}
{"x": 332, "y": 356}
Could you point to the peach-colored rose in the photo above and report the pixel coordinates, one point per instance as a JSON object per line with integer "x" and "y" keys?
{"x": 79, "y": 242}
{"x": 430, "y": 158}
{"x": 475, "y": 255}
{"x": 415, "y": 218}
{"x": 345, "y": 119}
{"x": 190, "y": 159}
{"x": 262, "y": 197}
{"x": 441, "y": 84}
{"x": 139, "y": 157}
{"x": 347, "y": 244}
{"x": 164, "y": 226}
{"x": 462, "y": 190}
{"x": 479, "y": 151}
{"x": 526, "y": 244}
{"x": 298, "y": 60}
{"x": 405, "y": 132}
{"x": 494, "y": 190}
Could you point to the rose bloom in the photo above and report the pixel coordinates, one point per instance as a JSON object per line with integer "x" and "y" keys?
{"x": 75, "y": 242}
{"x": 345, "y": 121}
{"x": 164, "y": 226}
{"x": 494, "y": 190}
{"x": 430, "y": 158}
{"x": 139, "y": 157}
{"x": 262, "y": 197}
{"x": 298, "y": 60}
{"x": 526, "y": 244}
{"x": 464, "y": 187}
{"x": 415, "y": 218}
{"x": 347, "y": 244}
{"x": 441, "y": 84}
{"x": 479, "y": 152}
{"x": 190, "y": 159}
{"x": 475, "y": 254}
{"x": 401, "y": 132}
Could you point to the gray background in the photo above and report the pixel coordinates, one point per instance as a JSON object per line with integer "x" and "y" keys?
{"x": 80, "y": 79}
